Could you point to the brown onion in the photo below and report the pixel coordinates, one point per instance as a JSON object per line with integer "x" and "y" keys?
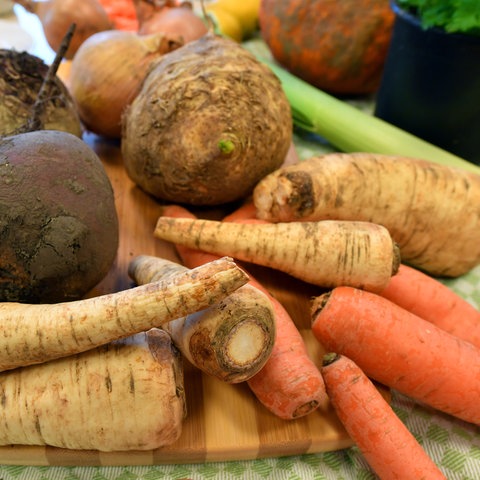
{"x": 170, "y": 17}
{"x": 56, "y": 16}
{"x": 107, "y": 72}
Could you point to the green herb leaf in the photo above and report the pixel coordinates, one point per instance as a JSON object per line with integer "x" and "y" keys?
{"x": 466, "y": 17}
{"x": 454, "y": 16}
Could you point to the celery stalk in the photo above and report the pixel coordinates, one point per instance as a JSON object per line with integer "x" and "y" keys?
{"x": 351, "y": 130}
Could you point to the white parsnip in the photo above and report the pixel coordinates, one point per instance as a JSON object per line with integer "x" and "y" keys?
{"x": 37, "y": 333}
{"x": 432, "y": 211}
{"x": 231, "y": 340}
{"x": 327, "y": 253}
{"x": 126, "y": 395}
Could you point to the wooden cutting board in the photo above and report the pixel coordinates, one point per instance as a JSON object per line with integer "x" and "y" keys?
{"x": 224, "y": 422}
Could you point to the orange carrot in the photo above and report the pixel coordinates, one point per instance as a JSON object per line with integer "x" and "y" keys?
{"x": 122, "y": 13}
{"x": 246, "y": 211}
{"x": 385, "y": 442}
{"x": 290, "y": 384}
{"x": 400, "y": 350}
{"x": 431, "y": 300}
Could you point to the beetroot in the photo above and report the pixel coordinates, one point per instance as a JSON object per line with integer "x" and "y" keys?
{"x": 58, "y": 222}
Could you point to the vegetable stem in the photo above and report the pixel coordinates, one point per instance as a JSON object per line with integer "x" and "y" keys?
{"x": 35, "y": 122}
{"x": 226, "y": 146}
{"x": 351, "y": 130}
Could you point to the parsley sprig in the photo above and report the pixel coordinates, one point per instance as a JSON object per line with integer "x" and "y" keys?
{"x": 454, "y": 16}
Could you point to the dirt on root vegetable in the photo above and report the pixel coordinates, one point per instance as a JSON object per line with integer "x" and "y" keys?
{"x": 59, "y": 232}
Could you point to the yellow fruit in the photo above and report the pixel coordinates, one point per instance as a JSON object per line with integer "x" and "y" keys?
{"x": 245, "y": 11}
{"x": 225, "y": 23}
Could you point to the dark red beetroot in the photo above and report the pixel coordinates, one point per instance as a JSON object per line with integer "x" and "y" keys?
{"x": 58, "y": 222}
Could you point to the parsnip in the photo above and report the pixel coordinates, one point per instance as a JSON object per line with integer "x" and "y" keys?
{"x": 325, "y": 253}
{"x": 432, "y": 211}
{"x": 38, "y": 333}
{"x": 127, "y": 395}
{"x": 231, "y": 340}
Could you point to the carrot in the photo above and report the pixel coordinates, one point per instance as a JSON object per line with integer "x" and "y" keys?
{"x": 231, "y": 339}
{"x": 431, "y": 300}
{"x": 400, "y": 350}
{"x": 430, "y": 210}
{"x": 127, "y": 395}
{"x": 246, "y": 211}
{"x": 290, "y": 384}
{"x": 385, "y": 442}
{"x": 38, "y": 333}
{"x": 122, "y": 13}
{"x": 327, "y": 253}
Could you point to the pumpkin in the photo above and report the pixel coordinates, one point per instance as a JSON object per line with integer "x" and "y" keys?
{"x": 339, "y": 46}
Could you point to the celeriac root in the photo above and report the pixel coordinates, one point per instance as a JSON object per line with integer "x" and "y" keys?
{"x": 127, "y": 395}
{"x": 38, "y": 333}
{"x": 230, "y": 340}
{"x": 327, "y": 253}
{"x": 430, "y": 210}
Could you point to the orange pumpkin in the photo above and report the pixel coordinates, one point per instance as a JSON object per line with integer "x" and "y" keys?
{"x": 336, "y": 45}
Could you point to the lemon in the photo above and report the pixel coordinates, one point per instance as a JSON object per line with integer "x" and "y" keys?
{"x": 225, "y": 23}
{"x": 245, "y": 10}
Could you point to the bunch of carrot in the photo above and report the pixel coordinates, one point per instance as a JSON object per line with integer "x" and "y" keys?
{"x": 417, "y": 337}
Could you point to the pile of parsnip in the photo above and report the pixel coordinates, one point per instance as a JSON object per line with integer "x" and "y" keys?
{"x": 97, "y": 373}
{"x": 376, "y": 232}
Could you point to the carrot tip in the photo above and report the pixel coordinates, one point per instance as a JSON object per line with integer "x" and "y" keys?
{"x": 329, "y": 358}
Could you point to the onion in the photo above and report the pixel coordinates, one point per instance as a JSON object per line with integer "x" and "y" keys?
{"x": 56, "y": 16}
{"x": 21, "y": 78}
{"x": 169, "y": 17}
{"x": 107, "y": 72}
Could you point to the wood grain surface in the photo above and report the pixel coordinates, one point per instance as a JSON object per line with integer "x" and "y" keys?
{"x": 224, "y": 422}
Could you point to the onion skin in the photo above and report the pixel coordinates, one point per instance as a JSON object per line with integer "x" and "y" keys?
{"x": 171, "y": 18}
{"x": 107, "y": 72}
{"x": 21, "y": 76}
{"x": 56, "y": 16}
{"x": 208, "y": 124}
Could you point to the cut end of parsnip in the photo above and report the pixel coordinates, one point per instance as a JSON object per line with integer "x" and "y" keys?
{"x": 245, "y": 344}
